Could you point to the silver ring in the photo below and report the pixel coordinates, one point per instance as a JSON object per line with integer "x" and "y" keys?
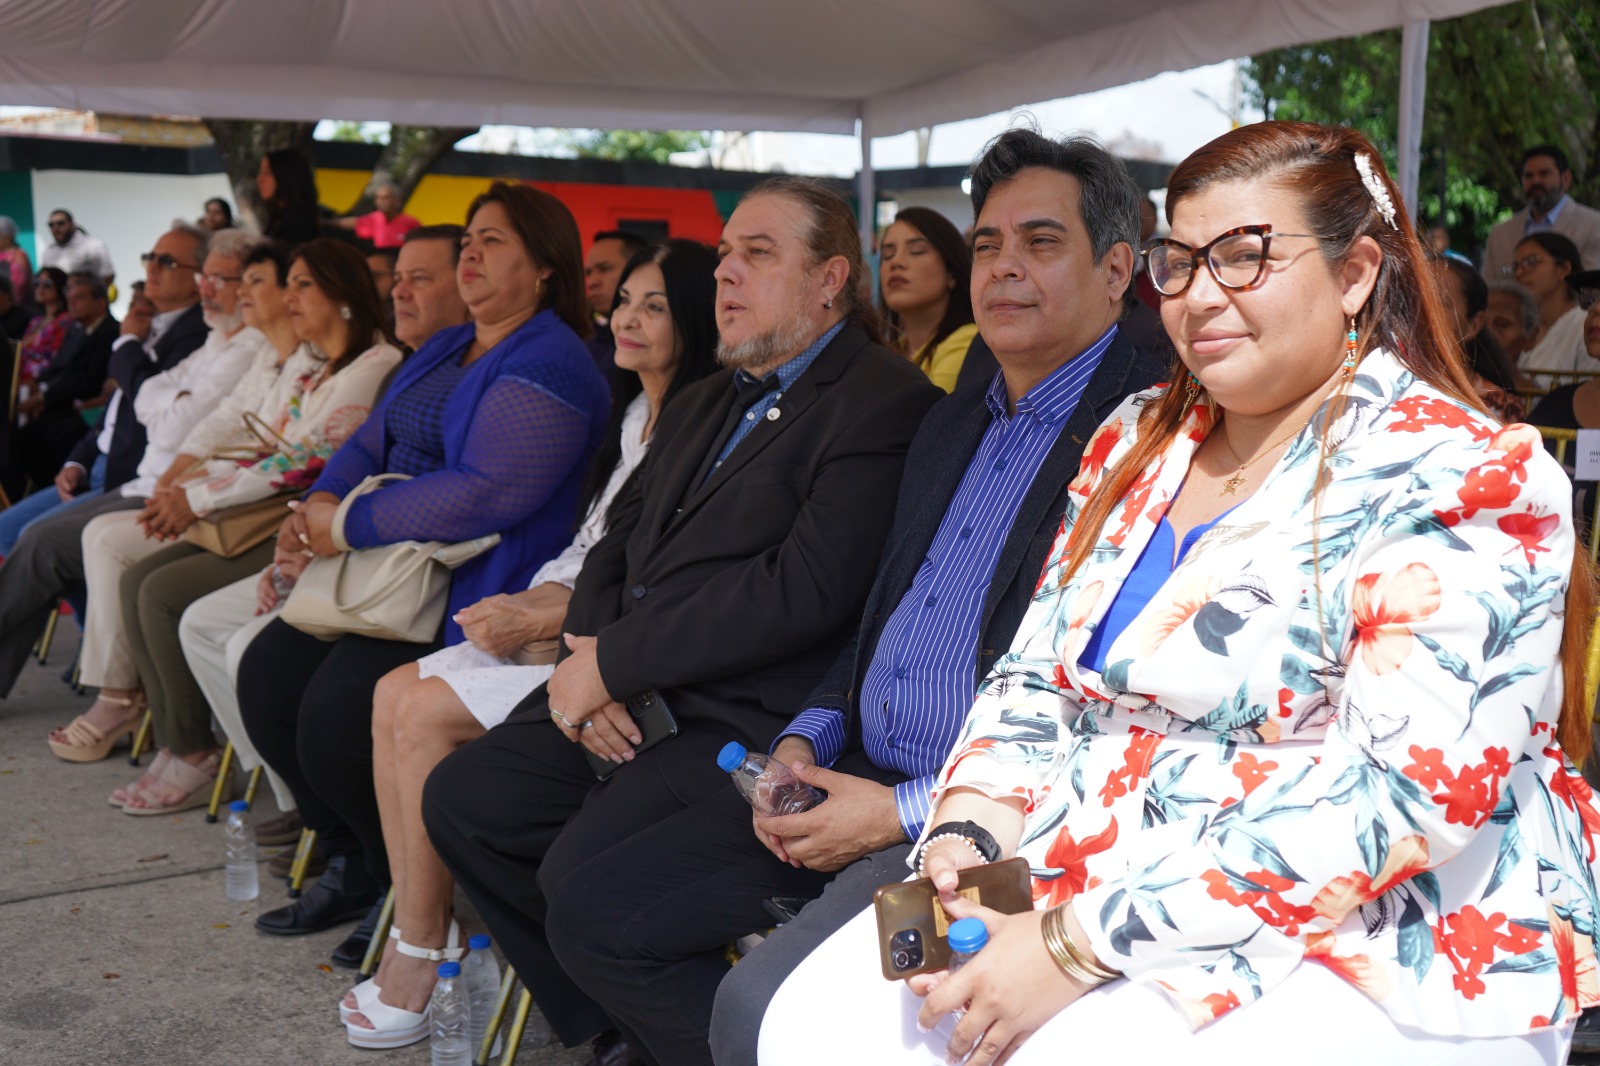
{"x": 557, "y": 714}
{"x": 587, "y": 725}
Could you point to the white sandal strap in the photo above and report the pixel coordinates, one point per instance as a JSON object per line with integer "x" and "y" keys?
{"x": 451, "y": 952}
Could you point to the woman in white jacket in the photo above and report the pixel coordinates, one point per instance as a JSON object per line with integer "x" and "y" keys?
{"x": 332, "y": 357}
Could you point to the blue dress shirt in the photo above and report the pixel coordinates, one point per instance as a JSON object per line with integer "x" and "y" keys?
{"x": 919, "y": 686}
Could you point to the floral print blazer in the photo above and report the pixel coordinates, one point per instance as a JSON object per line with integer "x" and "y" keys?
{"x": 1373, "y": 785}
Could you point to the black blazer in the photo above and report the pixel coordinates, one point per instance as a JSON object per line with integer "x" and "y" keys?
{"x": 938, "y": 459}
{"x": 130, "y": 367}
{"x": 732, "y": 598}
{"x": 80, "y": 368}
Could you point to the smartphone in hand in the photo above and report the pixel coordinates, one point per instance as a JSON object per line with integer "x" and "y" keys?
{"x": 913, "y": 925}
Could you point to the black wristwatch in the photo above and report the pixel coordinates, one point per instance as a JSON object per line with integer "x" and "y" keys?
{"x": 973, "y": 833}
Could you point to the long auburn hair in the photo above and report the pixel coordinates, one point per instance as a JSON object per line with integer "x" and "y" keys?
{"x": 956, "y": 255}
{"x": 1405, "y": 314}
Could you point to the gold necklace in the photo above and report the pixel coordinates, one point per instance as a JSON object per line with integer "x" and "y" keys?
{"x": 1230, "y": 487}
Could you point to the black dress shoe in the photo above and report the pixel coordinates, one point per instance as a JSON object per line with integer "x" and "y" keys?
{"x": 323, "y": 906}
{"x": 352, "y": 950}
{"x": 610, "y": 1049}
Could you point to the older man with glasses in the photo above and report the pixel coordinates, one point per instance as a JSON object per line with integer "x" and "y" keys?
{"x": 74, "y": 251}
{"x": 46, "y": 560}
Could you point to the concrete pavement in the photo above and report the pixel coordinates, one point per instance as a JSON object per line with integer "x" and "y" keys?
{"x": 119, "y": 945}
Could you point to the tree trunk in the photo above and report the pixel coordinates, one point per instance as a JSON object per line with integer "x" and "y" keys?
{"x": 406, "y": 159}
{"x": 242, "y": 143}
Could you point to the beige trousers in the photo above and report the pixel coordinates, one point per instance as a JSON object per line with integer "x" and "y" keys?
{"x": 111, "y": 543}
{"x": 214, "y": 632}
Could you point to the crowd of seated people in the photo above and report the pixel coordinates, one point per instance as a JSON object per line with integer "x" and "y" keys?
{"x": 1250, "y": 622}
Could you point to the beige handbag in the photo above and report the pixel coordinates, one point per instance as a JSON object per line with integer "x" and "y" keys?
{"x": 391, "y": 592}
{"x": 235, "y": 530}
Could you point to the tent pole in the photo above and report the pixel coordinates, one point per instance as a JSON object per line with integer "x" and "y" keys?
{"x": 866, "y": 192}
{"x": 1413, "y": 95}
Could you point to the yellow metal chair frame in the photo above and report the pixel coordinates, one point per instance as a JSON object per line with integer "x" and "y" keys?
{"x": 1563, "y": 439}
{"x": 302, "y": 859}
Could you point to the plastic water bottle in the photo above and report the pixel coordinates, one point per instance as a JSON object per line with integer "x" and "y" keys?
{"x": 481, "y": 976}
{"x": 770, "y": 786}
{"x": 240, "y": 875}
{"x": 967, "y": 937}
{"x": 447, "y": 1011}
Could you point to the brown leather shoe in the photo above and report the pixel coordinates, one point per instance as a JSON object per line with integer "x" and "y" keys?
{"x": 284, "y": 829}
{"x": 279, "y": 864}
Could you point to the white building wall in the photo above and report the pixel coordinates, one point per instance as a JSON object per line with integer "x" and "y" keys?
{"x": 127, "y": 211}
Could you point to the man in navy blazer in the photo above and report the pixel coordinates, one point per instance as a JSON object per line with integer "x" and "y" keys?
{"x": 980, "y": 503}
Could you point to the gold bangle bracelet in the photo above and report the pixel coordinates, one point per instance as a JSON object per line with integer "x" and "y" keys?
{"x": 1073, "y": 961}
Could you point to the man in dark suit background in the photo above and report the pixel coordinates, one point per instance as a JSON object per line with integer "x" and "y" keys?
{"x": 47, "y": 558}
{"x": 984, "y": 492}
{"x": 77, "y": 375}
{"x": 729, "y": 579}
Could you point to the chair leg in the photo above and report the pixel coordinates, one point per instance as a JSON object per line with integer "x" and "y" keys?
{"x": 141, "y": 739}
{"x": 498, "y": 1018}
{"x": 302, "y": 858}
{"x": 374, "y": 955}
{"x": 41, "y": 650}
{"x": 223, "y": 770}
{"x": 77, "y": 676}
{"x": 250, "y": 789}
{"x": 518, "y": 1023}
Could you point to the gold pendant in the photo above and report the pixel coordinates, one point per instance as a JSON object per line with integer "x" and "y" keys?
{"x": 1231, "y": 486}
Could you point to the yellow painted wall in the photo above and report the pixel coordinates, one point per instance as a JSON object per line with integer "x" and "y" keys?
{"x": 438, "y": 197}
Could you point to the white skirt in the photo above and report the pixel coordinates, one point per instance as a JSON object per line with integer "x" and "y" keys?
{"x": 490, "y": 687}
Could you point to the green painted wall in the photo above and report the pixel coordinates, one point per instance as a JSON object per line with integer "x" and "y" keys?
{"x": 16, "y": 201}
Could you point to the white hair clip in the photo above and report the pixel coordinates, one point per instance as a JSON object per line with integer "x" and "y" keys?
{"x": 1376, "y": 189}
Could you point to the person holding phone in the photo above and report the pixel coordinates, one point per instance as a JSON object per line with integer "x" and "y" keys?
{"x": 985, "y": 485}
{"x": 1284, "y": 734}
{"x": 666, "y": 339}
{"x": 728, "y": 580}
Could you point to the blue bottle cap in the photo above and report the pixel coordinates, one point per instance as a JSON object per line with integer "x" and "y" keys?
{"x": 731, "y": 756}
{"x": 239, "y": 806}
{"x": 449, "y": 969}
{"x": 478, "y": 941}
{"x": 968, "y": 936}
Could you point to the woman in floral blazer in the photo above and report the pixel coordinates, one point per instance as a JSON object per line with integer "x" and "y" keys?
{"x": 1283, "y": 731}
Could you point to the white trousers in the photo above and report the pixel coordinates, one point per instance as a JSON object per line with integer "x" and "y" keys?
{"x": 214, "y": 631}
{"x": 111, "y": 543}
{"x": 836, "y": 1006}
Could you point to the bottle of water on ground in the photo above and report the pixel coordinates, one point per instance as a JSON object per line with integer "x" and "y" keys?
{"x": 448, "y": 1014}
{"x": 770, "y": 786}
{"x": 480, "y": 973}
{"x": 240, "y": 875}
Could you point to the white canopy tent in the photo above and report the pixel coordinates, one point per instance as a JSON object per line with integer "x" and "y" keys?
{"x": 870, "y": 67}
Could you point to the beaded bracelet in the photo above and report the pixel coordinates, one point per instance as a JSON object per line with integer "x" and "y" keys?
{"x": 1073, "y": 961}
{"x": 922, "y": 856}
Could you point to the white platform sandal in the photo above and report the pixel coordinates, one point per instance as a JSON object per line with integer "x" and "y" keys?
{"x": 365, "y": 991}
{"x": 391, "y": 1026}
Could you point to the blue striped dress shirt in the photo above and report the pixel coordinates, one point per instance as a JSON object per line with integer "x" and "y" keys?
{"x": 919, "y": 686}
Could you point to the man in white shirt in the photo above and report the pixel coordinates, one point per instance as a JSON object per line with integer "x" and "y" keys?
{"x": 74, "y": 251}
{"x": 47, "y": 560}
{"x": 1546, "y": 177}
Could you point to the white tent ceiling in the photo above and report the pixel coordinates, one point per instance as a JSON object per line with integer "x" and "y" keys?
{"x": 816, "y": 65}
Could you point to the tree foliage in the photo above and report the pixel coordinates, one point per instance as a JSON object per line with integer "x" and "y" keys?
{"x": 650, "y": 145}
{"x": 1499, "y": 81}
{"x": 409, "y": 152}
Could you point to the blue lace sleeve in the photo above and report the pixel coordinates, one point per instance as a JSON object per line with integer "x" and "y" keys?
{"x": 523, "y": 444}
{"x": 357, "y": 458}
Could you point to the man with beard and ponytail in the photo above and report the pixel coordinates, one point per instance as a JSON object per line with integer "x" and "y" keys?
{"x": 733, "y": 573}
{"x": 1546, "y": 177}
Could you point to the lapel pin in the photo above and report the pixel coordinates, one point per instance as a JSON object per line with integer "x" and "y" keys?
{"x": 774, "y": 414}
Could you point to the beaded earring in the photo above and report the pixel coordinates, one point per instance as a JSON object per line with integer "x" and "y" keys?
{"x": 1191, "y": 390}
{"x": 344, "y": 312}
{"x": 1349, "y": 351}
